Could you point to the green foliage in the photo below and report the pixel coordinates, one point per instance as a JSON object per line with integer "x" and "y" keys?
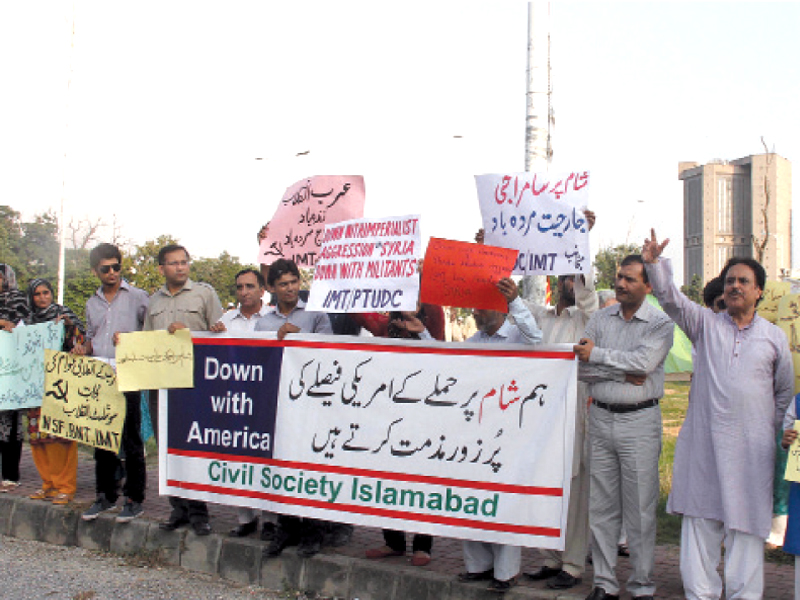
{"x": 220, "y": 273}
{"x": 694, "y": 291}
{"x": 607, "y": 262}
{"x": 141, "y": 268}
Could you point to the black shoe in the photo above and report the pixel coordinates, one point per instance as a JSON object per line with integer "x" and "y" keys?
{"x": 502, "y": 586}
{"x": 244, "y": 529}
{"x": 599, "y": 593}
{"x": 340, "y": 535}
{"x": 543, "y": 573}
{"x": 201, "y": 528}
{"x": 267, "y": 532}
{"x": 309, "y": 547}
{"x": 173, "y": 523}
{"x": 279, "y": 541}
{"x": 642, "y": 598}
{"x": 563, "y": 581}
{"x": 482, "y": 576}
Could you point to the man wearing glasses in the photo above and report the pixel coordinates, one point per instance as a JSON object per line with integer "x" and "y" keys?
{"x": 182, "y": 304}
{"x": 116, "y": 307}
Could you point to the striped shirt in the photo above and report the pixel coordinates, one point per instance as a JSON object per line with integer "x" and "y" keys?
{"x": 637, "y": 346}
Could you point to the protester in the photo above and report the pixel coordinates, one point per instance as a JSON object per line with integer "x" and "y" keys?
{"x": 287, "y": 317}
{"x": 116, "y": 307}
{"x": 250, "y": 286}
{"x": 622, "y": 358}
{"x": 55, "y": 458}
{"x": 485, "y": 561}
{"x": 428, "y": 322}
{"x": 791, "y": 543}
{"x": 14, "y": 308}
{"x": 723, "y": 470}
{"x": 564, "y": 323}
{"x": 181, "y": 304}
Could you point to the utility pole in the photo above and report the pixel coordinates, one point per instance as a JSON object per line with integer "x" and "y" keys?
{"x": 62, "y": 223}
{"x": 539, "y": 118}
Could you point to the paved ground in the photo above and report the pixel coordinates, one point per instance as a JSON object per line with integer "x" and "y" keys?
{"x": 446, "y": 552}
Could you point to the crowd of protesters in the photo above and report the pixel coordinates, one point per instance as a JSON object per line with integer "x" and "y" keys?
{"x": 741, "y": 395}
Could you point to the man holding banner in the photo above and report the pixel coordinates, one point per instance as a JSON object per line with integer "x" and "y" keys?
{"x": 250, "y": 286}
{"x": 182, "y": 304}
{"x": 499, "y": 563}
{"x": 116, "y": 307}
{"x": 290, "y": 316}
{"x": 622, "y": 358}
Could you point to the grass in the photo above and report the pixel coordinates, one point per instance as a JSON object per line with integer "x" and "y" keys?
{"x": 673, "y": 412}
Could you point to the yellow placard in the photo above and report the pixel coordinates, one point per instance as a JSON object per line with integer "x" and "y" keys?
{"x": 153, "y": 360}
{"x": 81, "y": 401}
{"x": 773, "y": 293}
{"x": 793, "y": 462}
{"x": 789, "y": 322}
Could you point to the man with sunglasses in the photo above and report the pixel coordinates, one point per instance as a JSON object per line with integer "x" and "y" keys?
{"x": 116, "y": 307}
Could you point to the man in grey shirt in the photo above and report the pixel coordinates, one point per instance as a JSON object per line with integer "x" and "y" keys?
{"x": 182, "y": 304}
{"x": 290, "y": 316}
{"x": 116, "y": 307}
{"x": 622, "y": 358}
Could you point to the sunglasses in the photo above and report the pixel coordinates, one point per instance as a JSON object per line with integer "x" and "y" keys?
{"x": 106, "y": 268}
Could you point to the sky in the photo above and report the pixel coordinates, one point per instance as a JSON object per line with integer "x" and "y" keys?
{"x": 153, "y": 115}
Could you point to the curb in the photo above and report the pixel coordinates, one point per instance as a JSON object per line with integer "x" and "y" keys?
{"x": 239, "y": 560}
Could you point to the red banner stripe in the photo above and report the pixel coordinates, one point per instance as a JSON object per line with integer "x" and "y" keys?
{"x": 377, "y": 512}
{"x": 528, "y": 490}
{"x": 454, "y": 351}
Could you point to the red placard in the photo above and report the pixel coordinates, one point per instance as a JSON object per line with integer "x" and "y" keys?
{"x": 465, "y": 275}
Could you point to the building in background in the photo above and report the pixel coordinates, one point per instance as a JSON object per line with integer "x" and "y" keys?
{"x": 723, "y": 214}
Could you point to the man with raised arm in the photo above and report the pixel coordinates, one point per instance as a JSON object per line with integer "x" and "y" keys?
{"x": 724, "y": 459}
{"x": 565, "y": 323}
{"x": 622, "y": 358}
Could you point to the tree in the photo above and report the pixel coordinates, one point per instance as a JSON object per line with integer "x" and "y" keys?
{"x": 606, "y": 263}
{"x": 760, "y": 243}
{"x": 220, "y": 273}
{"x": 694, "y": 291}
{"x": 141, "y": 267}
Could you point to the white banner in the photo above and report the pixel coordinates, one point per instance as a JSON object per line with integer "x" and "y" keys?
{"x": 367, "y": 265}
{"x": 541, "y": 215}
{"x": 465, "y": 441}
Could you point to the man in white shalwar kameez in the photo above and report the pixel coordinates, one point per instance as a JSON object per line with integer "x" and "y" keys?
{"x": 724, "y": 459}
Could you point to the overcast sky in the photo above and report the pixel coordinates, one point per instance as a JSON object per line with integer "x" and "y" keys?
{"x": 170, "y": 104}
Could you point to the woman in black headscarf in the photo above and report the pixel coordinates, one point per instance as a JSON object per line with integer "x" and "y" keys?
{"x": 13, "y": 309}
{"x": 55, "y": 458}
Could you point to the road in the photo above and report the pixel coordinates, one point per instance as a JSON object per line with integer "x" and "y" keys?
{"x": 33, "y": 570}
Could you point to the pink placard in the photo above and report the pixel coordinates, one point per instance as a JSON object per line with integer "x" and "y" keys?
{"x": 298, "y": 227}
